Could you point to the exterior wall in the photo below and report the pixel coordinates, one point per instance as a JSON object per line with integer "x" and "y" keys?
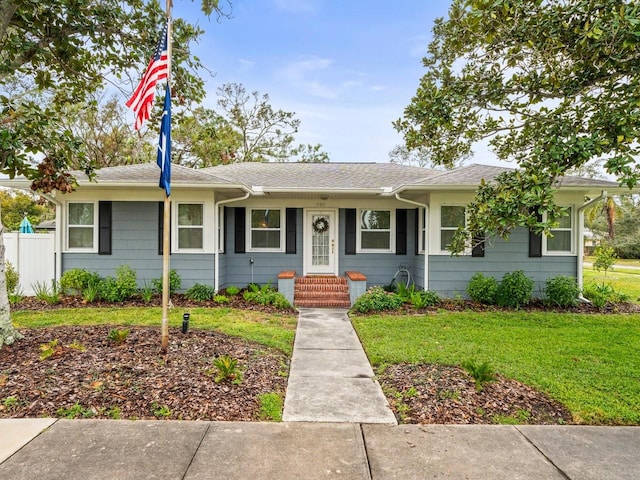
{"x": 135, "y": 243}
{"x": 449, "y": 276}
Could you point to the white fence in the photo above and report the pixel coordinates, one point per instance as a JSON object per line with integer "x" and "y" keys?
{"x": 33, "y": 256}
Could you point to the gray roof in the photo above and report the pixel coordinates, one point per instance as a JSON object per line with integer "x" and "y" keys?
{"x": 148, "y": 173}
{"x": 315, "y": 176}
{"x": 472, "y": 175}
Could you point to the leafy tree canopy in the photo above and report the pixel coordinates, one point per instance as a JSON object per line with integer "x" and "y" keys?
{"x": 17, "y": 205}
{"x": 552, "y": 84}
{"x": 64, "y": 52}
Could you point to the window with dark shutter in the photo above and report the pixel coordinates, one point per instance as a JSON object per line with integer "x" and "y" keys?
{"x": 478, "y": 246}
{"x": 535, "y": 241}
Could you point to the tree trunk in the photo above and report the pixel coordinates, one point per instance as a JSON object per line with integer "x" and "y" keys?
{"x": 7, "y": 9}
{"x": 8, "y": 334}
{"x": 611, "y": 218}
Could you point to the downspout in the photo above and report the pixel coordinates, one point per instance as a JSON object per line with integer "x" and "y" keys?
{"x": 426, "y": 236}
{"x": 58, "y": 233}
{"x": 216, "y": 239}
{"x": 580, "y": 242}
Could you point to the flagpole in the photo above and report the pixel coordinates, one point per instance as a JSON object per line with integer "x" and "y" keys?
{"x": 166, "y": 230}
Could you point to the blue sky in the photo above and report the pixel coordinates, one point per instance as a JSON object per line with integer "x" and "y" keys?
{"x": 346, "y": 68}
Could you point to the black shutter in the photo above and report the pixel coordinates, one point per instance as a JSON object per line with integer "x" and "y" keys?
{"x": 478, "y": 246}
{"x": 350, "y": 231}
{"x": 535, "y": 241}
{"x": 104, "y": 228}
{"x": 292, "y": 217}
{"x": 161, "y": 228}
{"x": 239, "y": 228}
{"x": 417, "y": 231}
{"x": 225, "y": 220}
{"x": 401, "y": 231}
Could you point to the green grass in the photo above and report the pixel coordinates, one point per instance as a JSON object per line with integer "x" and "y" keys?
{"x": 629, "y": 262}
{"x": 275, "y": 331}
{"x": 625, "y": 281}
{"x": 591, "y": 363}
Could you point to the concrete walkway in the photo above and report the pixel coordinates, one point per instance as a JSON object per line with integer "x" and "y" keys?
{"x": 174, "y": 450}
{"x": 330, "y": 379}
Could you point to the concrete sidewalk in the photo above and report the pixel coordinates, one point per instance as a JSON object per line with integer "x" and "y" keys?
{"x": 122, "y": 449}
{"x": 330, "y": 379}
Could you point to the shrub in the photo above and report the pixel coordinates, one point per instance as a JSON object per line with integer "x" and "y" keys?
{"x": 377, "y": 300}
{"x": 175, "y": 282}
{"x": 118, "y": 335}
{"x": 515, "y": 290}
{"x": 228, "y": 369}
{"x": 76, "y": 280}
{"x": 482, "y": 289}
{"x": 108, "y": 290}
{"x": 481, "y": 372}
{"x": 126, "y": 280}
{"x": 266, "y": 295}
{"x": 12, "y": 277}
{"x": 600, "y": 294}
{"x": 222, "y": 299}
{"x": 200, "y": 292}
{"x": 232, "y": 290}
{"x": 562, "y": 291}
{"x": 146, "y": 292}
{"x": 49, "y": 295}
{"x": 424, "y": 299}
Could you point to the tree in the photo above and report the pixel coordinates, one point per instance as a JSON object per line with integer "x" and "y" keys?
{"x": 419, "y": 157}
{"x": 66, "y": 51}
{"x": 266, "y": 134}
{"x": 17, "y": 205}
{"x": 553, "y": 85}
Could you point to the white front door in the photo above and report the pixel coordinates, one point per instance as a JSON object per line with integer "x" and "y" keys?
{"x": 321, "y": 242}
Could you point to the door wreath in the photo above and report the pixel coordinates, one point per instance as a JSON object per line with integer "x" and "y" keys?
{"x": 320, "y": 225}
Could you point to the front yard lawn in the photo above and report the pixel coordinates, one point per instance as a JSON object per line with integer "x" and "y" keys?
{"x": 590, "y": 363}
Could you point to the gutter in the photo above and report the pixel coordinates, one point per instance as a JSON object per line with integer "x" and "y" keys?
{"x": 216, "y": 237}
{"x": 580, "y": 242}
{"x": 426, "y": 236}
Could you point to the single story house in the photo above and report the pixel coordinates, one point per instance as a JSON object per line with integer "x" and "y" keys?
{"x": 305, "y": 222}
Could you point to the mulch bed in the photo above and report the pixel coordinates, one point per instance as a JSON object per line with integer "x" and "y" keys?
{"x": 447, "y": 394}
{"x": 135, "y": 379}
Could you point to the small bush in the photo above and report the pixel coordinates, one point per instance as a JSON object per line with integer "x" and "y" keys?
{"x": 91, "y": 292}
{"x": 232, "y": 290}
{"x": 49, "y": 295}
{"x": 200, "y": 293}
{"x": 118, "y": 335}
{"x": 12, "y": 277}
{"x": 600, "y": 294}
{"x": 481, "y": 372}
{"x": 482, "y": 289}
{"x": 377, "y": 300}
{"x": 222, "y": 299}
{"x": 266, "y": 295}
{"x": 228, "y": 369}
{"x": 175, "y": 282}
{"x": 515, "y": 290}
{"x": 108, "y": 290}
{"x": 561, "y": 291}
{"x": 424, "y": 299}
{"x": 76, "y": 280}
{"x": 146, "y": 292}
{"x": 126, "y": 279}
{"x": 605, "y": 258}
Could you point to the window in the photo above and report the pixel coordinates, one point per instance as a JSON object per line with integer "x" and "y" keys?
{"x": 221, "y": 218}
{"x": 82, "y": 226}
{"x": 190, "y": 226}
{"x": 422, "y": 231}
{"x": 451, "y": 217}
{"x": 266, "y": 229}
{"x": 561, "y": 242}
{"x": 375, "y": 230}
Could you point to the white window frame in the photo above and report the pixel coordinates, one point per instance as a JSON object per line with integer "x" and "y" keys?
{"x": 250, "y": 230}
{"x": 391, "y": 230}
{"x": 220, "y": 230}
{"x": 94, "y": 247}
{"x": 571, "y": 230}
{"x": 176, "y": 239}
{"x": 422, "y": 231}
{"x": 443, "y": 248}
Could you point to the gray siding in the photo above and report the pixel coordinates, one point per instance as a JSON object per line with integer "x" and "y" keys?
{"x": 380, "y": 268}
{"x": 239, "y": 270}
{"x": 449, "y": 276}
{"x": 135, "y": 243}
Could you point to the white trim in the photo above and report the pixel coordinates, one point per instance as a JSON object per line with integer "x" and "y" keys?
{"x": 571, "y": 229}
{"x": 220, "y": 229}
{"x": 391, "y": 230}
{"x": 94, "y": 247}
{"x": 249, "y": 230}
{"x": 422, "y": 239}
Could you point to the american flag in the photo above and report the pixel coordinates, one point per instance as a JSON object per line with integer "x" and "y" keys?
{"x": 142, "y": 99}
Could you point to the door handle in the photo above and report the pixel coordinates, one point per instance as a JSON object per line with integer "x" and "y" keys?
{"x": 333, "y": 245}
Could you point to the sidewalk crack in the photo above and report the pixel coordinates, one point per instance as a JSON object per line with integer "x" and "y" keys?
{"x": 562, "y": 472}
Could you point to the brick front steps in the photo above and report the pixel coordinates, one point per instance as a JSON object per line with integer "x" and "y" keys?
{"x": 321, "y": 292}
